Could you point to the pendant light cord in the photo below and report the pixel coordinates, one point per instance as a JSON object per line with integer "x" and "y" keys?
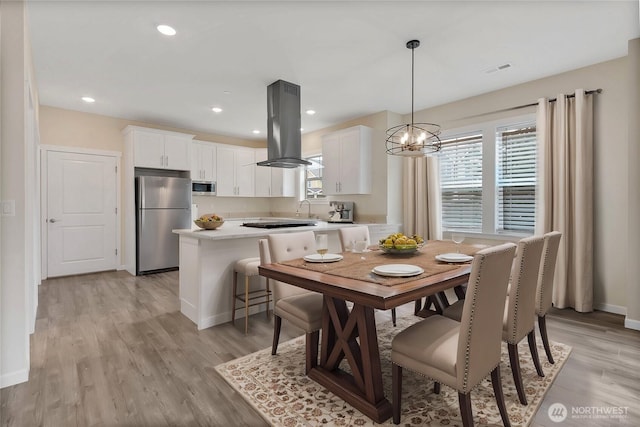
{"x": 413, "y": 50}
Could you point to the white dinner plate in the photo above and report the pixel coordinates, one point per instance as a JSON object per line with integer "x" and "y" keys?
{"x": 397, "y": 270}
{"x": 454, "y": 257}
{"x": 318, "y": 258}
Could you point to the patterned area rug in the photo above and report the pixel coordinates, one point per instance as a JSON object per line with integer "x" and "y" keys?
{"x": 280, "y": 391}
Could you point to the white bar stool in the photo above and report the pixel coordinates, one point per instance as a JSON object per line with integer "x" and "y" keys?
{"x": 249, "y": 268}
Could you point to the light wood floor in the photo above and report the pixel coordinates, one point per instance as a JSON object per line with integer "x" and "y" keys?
{"x": 111, "y": 349}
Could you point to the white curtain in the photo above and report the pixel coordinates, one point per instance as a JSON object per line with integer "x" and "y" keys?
{"x": 421, "y": 197}
{"x": 565, "y": 195}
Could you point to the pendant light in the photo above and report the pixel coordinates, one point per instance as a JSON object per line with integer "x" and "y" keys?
{"x": 413, "y": 139}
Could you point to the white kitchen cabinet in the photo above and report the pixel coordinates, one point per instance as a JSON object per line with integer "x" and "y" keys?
{"x": 235, "y": 170}
{"x": 346, "y": 156}
{"x": 273, "y": 182}
{"x": 203, "y": 161}
{"x": 283, "y": 182}
{"x": 158, "y": 149}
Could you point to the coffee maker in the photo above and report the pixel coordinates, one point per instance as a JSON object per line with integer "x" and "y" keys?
{"x": 341, "y": 211}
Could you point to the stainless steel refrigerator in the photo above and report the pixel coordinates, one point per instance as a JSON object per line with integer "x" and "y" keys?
{"x": 162, "y": 204}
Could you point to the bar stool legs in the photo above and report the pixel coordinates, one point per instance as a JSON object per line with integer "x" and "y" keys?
{"x": 248, "y": 267}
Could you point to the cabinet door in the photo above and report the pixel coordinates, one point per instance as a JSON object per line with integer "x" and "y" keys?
{"x": 245, "y": 173}
{"x": 148, "y": 149}
{"x": 225, "y": 171}
{"x": 196, "y": 163}
{"x": 351, "y": 155}
{"x": 283, "y": 182}
{"x": 208, "y": 162}
{"x": 177, "y": 151}
{"x": 263, "y": 185}
{"x": 331, "y": 160}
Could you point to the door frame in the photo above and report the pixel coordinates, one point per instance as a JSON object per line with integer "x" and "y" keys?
{"x": 44, "y": 152}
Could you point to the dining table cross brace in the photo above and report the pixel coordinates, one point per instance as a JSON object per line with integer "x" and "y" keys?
{"x": 341, "y": 327}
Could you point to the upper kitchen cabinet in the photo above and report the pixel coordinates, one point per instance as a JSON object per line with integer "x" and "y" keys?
{"x": 203, "y": 161}
{"x": 235, "y": 170}
{"x": 346, "y": 156}
{"x": 159, "y": 149}
{"x": 271, "y": 181}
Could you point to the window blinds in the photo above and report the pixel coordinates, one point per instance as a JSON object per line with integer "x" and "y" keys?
{"x": 516, "y": 178}
{"x": 461, "y": 183}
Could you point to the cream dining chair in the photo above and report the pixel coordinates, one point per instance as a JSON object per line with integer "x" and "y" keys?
{"x": 519, "y": 312}
{"x": 544, "y": 292}
{"x": 299, "y": 306}
{"x": 460, "y": 354}
{"x": 348, "y": 236}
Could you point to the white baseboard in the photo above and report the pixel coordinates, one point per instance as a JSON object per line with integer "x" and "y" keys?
{"x": 14, "y": 378}
{"x": 632, "y": 324}
{"x": 610, "y": 308}
{"x": 221, "y": 318}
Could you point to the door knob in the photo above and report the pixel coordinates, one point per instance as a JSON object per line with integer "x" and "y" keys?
{"x": 52, "y": 220}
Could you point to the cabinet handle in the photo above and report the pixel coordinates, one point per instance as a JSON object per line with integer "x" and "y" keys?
{"x": 336, "y": 187}
{"x": 162, "y": 160}
{"x": 166, "y": 160}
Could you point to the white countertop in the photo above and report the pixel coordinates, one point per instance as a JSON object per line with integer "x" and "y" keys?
{"x": 233, "y": 229}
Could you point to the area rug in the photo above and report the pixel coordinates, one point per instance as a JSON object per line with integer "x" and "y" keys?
{"x": 278, "y": 389}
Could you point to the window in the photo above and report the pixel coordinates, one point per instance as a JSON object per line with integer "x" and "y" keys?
{"x": 488, "y": 178}
{"x": 461, "y": 181}
{"x": 516, "y": 178}
{"x": 313, "y": 178}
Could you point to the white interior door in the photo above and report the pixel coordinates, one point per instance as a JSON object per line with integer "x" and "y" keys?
{"x": 81, "y": 211}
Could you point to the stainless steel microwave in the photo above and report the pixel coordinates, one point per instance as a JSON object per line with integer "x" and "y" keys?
{"x": 202, "y": 188}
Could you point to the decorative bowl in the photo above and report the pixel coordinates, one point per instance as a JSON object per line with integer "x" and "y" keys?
{"x": 208, "y": 222}
{"x": 208, "y": 225}
{"x": 401, "y": 250}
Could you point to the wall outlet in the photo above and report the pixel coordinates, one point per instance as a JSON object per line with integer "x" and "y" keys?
{"x": 8, "y": 207}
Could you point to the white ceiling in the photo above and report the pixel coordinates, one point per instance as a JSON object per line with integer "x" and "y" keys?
{"x": 349, "y": 57}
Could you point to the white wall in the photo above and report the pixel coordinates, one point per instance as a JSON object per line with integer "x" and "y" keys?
{"x": 14, "y": 290}
{"x": 633, "y": 161}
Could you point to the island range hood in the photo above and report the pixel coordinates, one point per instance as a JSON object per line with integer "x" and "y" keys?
{"x": 283, "y": 126}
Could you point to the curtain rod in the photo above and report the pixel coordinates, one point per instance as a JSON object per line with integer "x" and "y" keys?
{"x": 533, "y": 104}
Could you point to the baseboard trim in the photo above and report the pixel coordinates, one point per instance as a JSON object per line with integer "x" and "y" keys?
{"x": 225, "y": 317}
{"x": 632, "y": 324}
{"x": 14, "y": 378}
{"x": 610, "y": 308}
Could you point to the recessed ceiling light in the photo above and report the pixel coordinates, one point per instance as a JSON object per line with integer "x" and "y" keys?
{"x": 301, "y": 129}
{"x": 227, "y": 92}
{"x": 256, "y": 131}
{"x": 310, "y": 112}
{"x": 216, "y": 110}
{"x": 88, "y": 99}
{"x": 166, "y": 30}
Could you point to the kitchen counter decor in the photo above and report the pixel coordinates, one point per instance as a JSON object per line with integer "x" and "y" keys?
{"x": 209, "y": 221}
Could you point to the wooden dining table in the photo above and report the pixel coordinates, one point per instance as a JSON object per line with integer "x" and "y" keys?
{"x": 350, "y": 333}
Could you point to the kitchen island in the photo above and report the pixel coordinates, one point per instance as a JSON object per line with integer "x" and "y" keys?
{"x": 207, "y": 258}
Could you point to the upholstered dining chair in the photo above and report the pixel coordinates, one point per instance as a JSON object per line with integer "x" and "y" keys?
{"x": 544, "y": 292}
{"x": 348, "y": 236}
{"x": 299, "y": 306}
{"x": 460, "y": 354}
{"x": 519, "y": 311}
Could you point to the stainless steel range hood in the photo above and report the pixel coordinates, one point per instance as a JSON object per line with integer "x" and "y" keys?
{"x": 283, "y": 126}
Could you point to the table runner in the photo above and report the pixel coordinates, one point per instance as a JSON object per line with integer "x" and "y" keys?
{"x": 359, "y": 265}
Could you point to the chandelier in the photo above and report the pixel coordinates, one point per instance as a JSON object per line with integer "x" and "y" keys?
{"x": 413, "y": 139}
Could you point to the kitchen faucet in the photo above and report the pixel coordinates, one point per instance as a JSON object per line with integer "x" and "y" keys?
{"x": 300, "y": 205}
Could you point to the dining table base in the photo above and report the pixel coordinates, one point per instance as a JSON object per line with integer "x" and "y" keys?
{"x": 362, "y": 387}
